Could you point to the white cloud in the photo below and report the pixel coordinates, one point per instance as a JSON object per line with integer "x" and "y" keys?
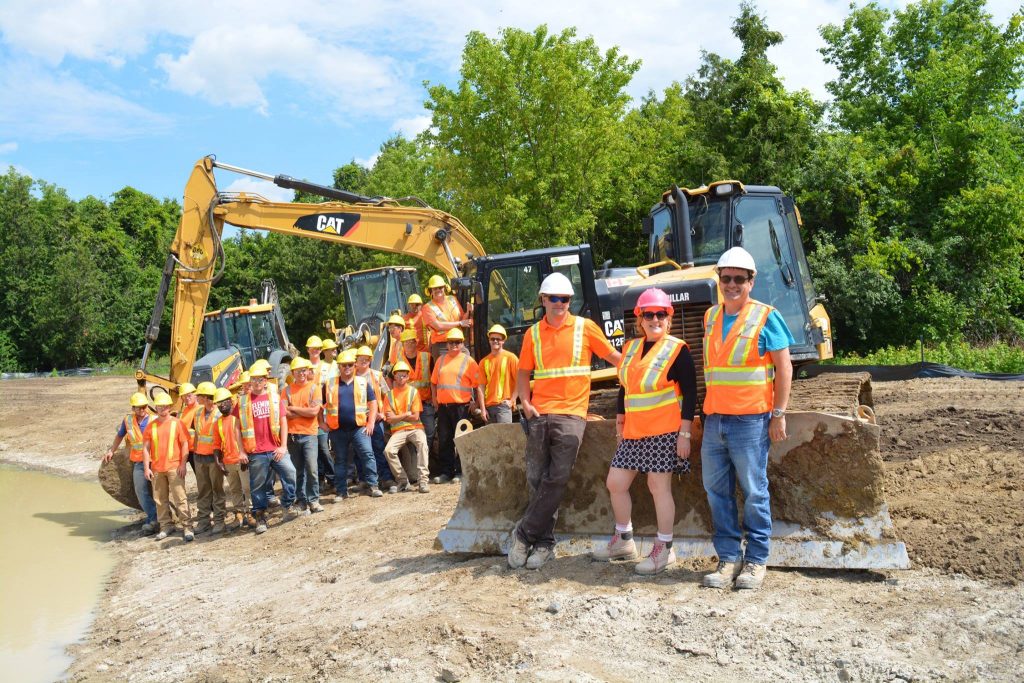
{"x": 41, "y": 104}
{"x": 8, "y": 147}
{"x": 368, "y": 163}
{"x": 412, "y": 126}
{"x": 264, "y": 188}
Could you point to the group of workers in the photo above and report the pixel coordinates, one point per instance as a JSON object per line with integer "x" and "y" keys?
{"x": 332, "y": 405}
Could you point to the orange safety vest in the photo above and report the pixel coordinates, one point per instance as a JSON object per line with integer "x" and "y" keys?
{"x": 226, "y": 441}
{"x": 247, "y": 421}
{"x": 302, "y": 425}
{"x": 498, "y": 375}
{"x": 738, "y": 379}
{"x": 376, "y": 380}
{"x": 317, "y": 379}
{"x": 404, "y": 400}
{"x": 423, "y": 332}
{"x": 188, "y": 417}
{"x": 171, "y": 455}
{"x": 359, "y": 395}
{"x": 133, "y": 435}
{"x": 452, "y": 383}
{"x": 204, "y": 425}
{"x": 652, "y": 400}
{"x": 420, "y": 375}
{"x": 449, "y": 314}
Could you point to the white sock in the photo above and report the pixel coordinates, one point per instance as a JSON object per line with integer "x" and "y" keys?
{"x": 665, "y": 538}
{"x": 624, "y": 528}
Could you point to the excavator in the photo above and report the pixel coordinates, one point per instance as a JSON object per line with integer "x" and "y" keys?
{"x": 827, "y": 477}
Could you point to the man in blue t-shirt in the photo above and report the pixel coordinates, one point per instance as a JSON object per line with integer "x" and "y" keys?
{"x": 341, "y": 417}
{"x": 747, "y": 391}
{"x": 131, "y": 429}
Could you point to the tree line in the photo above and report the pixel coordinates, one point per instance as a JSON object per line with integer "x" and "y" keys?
{"x": 908, "y": 180}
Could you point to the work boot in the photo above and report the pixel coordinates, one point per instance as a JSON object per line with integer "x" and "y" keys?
{"x": 250, "y": 520}
{"x": 615, "y": 549}
{"x": 539, "y": 556}
{"x": 393, "y": 489}
{"x": 160, "y": 536}
{"x": 203, "y": 527}
{"x": 442, "y": 479}
{"x": 388, "y": 484}
{"x": 751, "y": 577}
{"x": 316, "y": 507}
{"x": 375, "y": 492}
{"x": 233, "y": 521}
{"x": 424, "y": 487}
{"x": 188, "y": 535}
{"x": 723, "y": 576}
{"x": 659, "y": 559}
{"x": 518, "y": 552}
{"x": 149, "y": 528}
{"x": 273, "y": 501}
{"x": 218, "y": 528}
{"x": 289, "y": 514}
{"x": 261, "y": 523}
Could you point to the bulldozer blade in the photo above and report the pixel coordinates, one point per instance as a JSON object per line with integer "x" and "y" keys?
{"x": 826, "y": 483}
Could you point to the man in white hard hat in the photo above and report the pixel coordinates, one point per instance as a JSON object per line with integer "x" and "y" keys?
{"x": 557, "y": 350}
{"x": 747, "y": 391}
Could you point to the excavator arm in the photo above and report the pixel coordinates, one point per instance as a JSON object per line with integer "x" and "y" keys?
{"x": 196, "y": 256}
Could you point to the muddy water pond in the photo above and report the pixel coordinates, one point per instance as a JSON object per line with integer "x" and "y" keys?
{"x": 52, "y": 567}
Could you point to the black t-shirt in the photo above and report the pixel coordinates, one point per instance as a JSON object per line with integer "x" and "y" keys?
{"x": 682, "y": 373}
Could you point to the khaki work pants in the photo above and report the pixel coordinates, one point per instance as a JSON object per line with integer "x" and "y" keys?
{"x": 239, "y": 494}
{"x": 210, "y": 482}
{"x": 169, "y": 489}
{"x": 418, "y": 439}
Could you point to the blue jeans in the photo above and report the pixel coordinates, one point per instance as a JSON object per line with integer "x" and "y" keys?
{"x": 304, "y": 449}
{"x": 378, "y": 441}
{"x": 260, "y": 467}
{"x": 324, "y": 462}
{"x": 735, "y": 450}
{"x": 340, "y": 440}
{"x": 144, "y": 492}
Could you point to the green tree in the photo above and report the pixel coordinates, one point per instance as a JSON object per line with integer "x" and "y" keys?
{"x": 525, "y": 143}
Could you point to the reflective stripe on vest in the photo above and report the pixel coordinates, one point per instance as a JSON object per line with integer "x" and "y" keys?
{"x": 358, "y": 396}
{"x": 248, "y": 421}
{"x": 205, "y": 422}
{"x": 423, "y": 377}
{"x": 487, "y": 371}
{"x": 736, "y": 363}
{"x": 134, "y": 434}
{"x": 650, "y": 395}
{"x": 172, "y": 441}
{"x": 410, "y": 402}
{"x": 574, "y": 369}
{"x": 439, "y": 314}
{"x": 463, "y": 364}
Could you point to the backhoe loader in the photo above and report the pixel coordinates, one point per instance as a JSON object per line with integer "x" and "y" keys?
{"x": 827, "y": 477}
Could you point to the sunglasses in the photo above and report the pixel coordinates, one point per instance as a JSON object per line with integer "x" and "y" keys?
{"x": 738, "y": 279}
{"x": 496, "y": 340}
{"x": 558, "y": 299}
{"x": 651, "y": 315}
{"x": 347, "y": 365}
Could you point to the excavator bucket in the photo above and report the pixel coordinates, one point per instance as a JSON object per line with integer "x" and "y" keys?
{"x": 116, "y": 479}
{"x": 826, "y": 483}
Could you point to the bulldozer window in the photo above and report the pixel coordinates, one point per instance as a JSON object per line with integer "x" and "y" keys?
{"x": 775, "y": 283}
{"x": 512, "y": 297}
{"x": 263, "y": 335}
{"x": 708, "y": 224}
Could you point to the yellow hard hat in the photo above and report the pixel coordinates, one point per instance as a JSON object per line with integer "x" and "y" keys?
{"x": 314, "y": 342}
{"x": 301, "y": 364}
{"x": 347, "y": 356}
{"x": 414, "y": 299}
{"x": 396, "y": 319}
{"x": 437, "y": 281}
{"x": 400, "y": 366}
{"x": 455, "y": 334}
{"x": 221, "y": 394}
{"x": 206, "y": 389}
{"x": 498, "y": 329}
{"x": 244, "y": 377}
{"x": 163, "y": 399}
{"x": 364, "y": 351}
{"x": 259, "y": 369}
{"x": 408, "y": 335}
{"x": 138, "y": 400}
{"x": 329, "y": 344}
{"x": 186, "y": 388}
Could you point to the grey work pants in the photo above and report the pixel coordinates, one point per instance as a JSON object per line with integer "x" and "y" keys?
{"x": 551, "y": 449}
{"x": 499, "y": 414}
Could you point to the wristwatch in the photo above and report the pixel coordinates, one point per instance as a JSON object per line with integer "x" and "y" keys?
{"x": 778, "y": 412}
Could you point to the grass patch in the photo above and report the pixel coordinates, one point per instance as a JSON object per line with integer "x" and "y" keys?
{"x": 998, "y": 357}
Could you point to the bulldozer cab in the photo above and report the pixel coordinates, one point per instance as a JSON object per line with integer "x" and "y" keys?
{"x": 759, "y": 218}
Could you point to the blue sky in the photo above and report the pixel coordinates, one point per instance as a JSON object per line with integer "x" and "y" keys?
{"x": 98, "y": 95}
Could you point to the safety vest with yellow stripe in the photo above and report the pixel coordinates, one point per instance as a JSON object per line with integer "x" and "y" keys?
{"x": 653, "y": 401}
{"x": 188, "y": 418}
{"x": 171, "y": 456}
{"x": 420, "y": 375}
{"x": 452, "y": 385}
{"x": 575, "y": 367}
{"x": 403, "y": 401}
{"x": 738, "y": 379}
{"x": 133, "y": 435}
{"x": 359, "y": 385}
{"x": 205, "y": 423}
{"x": 226, "y": 439}
{"x": 248, "y": 422}
{"x": 498, "y": 377}
{"x": 449, "y": 316}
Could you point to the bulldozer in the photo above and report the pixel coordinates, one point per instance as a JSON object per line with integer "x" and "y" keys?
{"x": 827, "y": 478}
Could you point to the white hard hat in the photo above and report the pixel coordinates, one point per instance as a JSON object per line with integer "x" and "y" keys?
{"x": 556, "y": 283}
{"x": 737, "y": 257}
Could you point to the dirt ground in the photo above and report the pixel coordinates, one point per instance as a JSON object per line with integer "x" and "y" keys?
{"x": 359, "y": 592}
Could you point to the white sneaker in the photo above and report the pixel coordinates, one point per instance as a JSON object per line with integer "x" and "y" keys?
{"x": 723, "y": 576}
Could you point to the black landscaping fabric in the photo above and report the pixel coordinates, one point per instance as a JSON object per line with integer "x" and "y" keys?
{"x": 895, "y": 373}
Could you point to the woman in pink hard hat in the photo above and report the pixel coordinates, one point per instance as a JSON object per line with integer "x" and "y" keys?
{"x": 656, "y": 403}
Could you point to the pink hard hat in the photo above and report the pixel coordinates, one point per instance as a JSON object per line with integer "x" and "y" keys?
{"x": 653, "y": 298}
